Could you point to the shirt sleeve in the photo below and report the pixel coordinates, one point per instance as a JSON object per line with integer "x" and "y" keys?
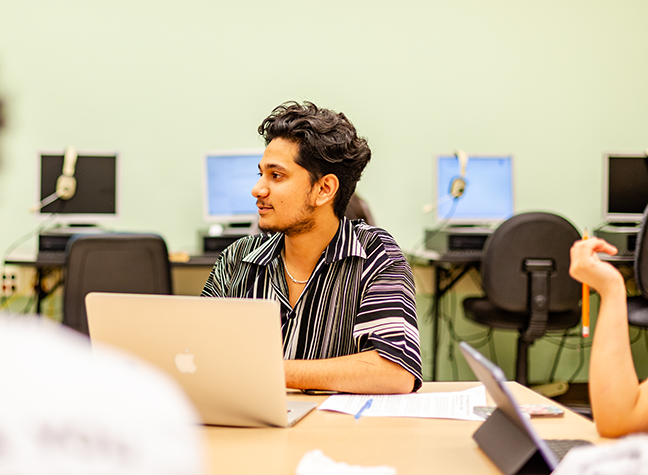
{"x": 386, "y": 320}
{"x": 220, "y": 275}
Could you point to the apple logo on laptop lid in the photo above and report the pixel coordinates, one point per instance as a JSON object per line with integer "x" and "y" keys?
{"x": 185, "y": 362}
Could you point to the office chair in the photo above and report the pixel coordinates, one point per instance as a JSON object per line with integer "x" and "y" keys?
{"x": 525, "y": 275}
{"x": 638, "y": 306}
{"x": 112, "y": 262}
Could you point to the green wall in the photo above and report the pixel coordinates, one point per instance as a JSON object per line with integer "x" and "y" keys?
{"x": 555, "y": 83}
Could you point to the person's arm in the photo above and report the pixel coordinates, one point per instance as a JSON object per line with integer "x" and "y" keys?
{"x": 619, "y": 401}
{"x": 361, "y": 373}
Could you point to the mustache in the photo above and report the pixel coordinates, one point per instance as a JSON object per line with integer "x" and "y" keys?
{"x": 263, "y": 204}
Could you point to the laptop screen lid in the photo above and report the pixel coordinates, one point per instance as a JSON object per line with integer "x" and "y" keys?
{"x": 226, "y": 353}
{"x": 509, "y": 438}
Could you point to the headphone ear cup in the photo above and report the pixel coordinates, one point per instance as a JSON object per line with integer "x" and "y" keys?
{"x": 457, "y": 187}
{"x": 65, "y": 187}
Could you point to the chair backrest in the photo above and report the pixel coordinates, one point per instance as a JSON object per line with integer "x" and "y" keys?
{"x": 538, "y": 236}
{"x": 112, "y": 262}
{"x": 641, "y": 256}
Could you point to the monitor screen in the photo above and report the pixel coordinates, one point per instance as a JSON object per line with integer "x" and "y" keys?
{"x": 229, "y": 177}
{"x": 625, "y": 187}
{"x": 488, "y": 193}
{"x": 96, "y": 194}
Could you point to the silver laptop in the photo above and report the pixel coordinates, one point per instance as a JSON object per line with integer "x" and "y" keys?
{"x": 507, "y": 436}
{"x": 226, "y": 353}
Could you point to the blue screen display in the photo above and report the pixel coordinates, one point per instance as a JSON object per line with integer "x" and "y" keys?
{"x": 229, "y": 183}
{"x": 488, "y": 195}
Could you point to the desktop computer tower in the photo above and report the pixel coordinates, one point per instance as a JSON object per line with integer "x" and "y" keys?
{"x": 217, "y": 244}
{"x": 55, "y": 241}
{"x": 457, "y": 238}
{"x": 624, "y": 238}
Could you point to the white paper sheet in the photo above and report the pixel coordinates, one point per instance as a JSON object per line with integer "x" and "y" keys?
{"x": 450, "y": 405}
{"x": 316, "y": 463}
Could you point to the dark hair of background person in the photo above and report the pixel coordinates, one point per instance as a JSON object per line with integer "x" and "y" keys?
{"x": 327, "y": 141}
{"x": 359, "y": 209}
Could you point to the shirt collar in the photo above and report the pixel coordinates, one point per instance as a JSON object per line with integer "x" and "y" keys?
{"x": 344, "y": 244}
{"x": 267, "y": 252}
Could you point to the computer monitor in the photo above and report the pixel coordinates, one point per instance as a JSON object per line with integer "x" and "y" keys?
{"x": 625, "y": 187}
{"x": 229, "y": 177}
{"x": 488, "y": 194}
{"x": 96, "y": 198}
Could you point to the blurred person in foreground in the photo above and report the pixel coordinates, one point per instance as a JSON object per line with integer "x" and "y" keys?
{"x": 68, "y": 408}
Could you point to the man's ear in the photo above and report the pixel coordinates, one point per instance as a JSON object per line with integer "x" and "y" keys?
{"x": 326, "y": 188}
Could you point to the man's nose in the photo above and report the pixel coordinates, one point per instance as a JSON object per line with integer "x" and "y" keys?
{"x": 259, "y": 189}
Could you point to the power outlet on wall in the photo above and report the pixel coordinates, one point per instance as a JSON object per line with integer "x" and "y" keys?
{"x": 9, "y": 283}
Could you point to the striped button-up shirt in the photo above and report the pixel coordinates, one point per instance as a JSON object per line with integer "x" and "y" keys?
{"x": 360, "y": 296}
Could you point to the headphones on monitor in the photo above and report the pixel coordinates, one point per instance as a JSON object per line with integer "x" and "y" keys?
{"x": 458, "y": 184}
{"x": 66, "y": 183}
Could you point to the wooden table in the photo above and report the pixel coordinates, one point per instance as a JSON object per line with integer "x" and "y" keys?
{"x": 411, "y": 445}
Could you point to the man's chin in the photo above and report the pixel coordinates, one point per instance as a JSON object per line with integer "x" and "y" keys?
{"x": 267, "y": 228}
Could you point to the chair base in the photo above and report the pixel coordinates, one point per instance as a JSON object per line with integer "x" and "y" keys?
{"x": 481, "y": 311}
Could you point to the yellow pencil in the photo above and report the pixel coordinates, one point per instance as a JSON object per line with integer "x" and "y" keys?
{"x": 585, "y": 304}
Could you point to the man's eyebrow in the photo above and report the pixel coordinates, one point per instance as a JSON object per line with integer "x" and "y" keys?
{"x": 272, "y": 166}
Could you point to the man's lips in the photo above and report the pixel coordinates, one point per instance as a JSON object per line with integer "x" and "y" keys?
{"x": 263, "y": 207}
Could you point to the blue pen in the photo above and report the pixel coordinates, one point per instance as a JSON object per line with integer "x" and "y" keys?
{"x": 366, "y": 406}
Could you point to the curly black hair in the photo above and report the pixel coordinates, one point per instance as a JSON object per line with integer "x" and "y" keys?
{"x": 327, "y": 141}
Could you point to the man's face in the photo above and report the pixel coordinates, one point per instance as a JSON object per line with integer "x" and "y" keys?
{"x": 284, "y": 192}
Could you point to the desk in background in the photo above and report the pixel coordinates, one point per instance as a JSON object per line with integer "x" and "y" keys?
{"x": 188, "y": 275}
{"x": 411, "y": 445}
{"x": 449, "y": 269}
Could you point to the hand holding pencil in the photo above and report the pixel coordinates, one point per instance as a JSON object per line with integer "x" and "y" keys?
{"x": 588, "y": 268}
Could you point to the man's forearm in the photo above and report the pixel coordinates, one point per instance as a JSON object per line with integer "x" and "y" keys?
{"x": 362, "y": 373}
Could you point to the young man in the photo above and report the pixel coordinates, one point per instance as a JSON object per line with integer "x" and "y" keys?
{"x": 619, "y": 401}
{"x": 346, "y": 291}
